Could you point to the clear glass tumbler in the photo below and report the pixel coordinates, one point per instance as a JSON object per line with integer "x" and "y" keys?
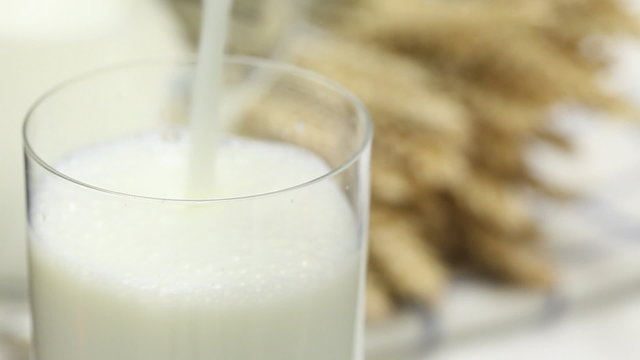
{"x": 268, "y": 265}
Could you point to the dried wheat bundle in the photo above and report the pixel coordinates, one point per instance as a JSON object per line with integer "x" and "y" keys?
{"x": 461, "y": 90}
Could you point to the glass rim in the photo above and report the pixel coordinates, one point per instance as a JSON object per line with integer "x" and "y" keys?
{"x": 361, "y": 113}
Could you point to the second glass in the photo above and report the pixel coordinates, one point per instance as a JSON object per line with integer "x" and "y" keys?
{"x": 269, "y": 265}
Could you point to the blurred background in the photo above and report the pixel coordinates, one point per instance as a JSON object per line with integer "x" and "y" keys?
{"x": 506, "y": 169}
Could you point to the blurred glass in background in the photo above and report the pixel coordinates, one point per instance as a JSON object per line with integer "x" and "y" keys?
{"x": 43, "y": 42}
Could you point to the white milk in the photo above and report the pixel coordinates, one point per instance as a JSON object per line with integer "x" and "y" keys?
{"x": 274, "y": 278}
{"x": 268, "y": 278}
{"x": 207, "y": 94}
{"x": 43, "y": 42}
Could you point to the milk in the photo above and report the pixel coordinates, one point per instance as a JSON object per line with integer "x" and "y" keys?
{"x": 207, "y": 94}
{"x": 276, "y": 276}
{"x": 268, "y": 278}
{"x": 42, "y": 43}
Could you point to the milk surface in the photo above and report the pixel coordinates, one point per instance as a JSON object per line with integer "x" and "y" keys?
{"x": 268, "y": 278}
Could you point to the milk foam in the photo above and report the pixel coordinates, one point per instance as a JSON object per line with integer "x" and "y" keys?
{"x": 204, "y": 252}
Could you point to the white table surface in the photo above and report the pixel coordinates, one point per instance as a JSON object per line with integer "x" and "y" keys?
{"x": 610, "y": 333}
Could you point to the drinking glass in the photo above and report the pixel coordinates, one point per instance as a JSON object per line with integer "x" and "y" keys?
{"x": 124, "y": 267}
